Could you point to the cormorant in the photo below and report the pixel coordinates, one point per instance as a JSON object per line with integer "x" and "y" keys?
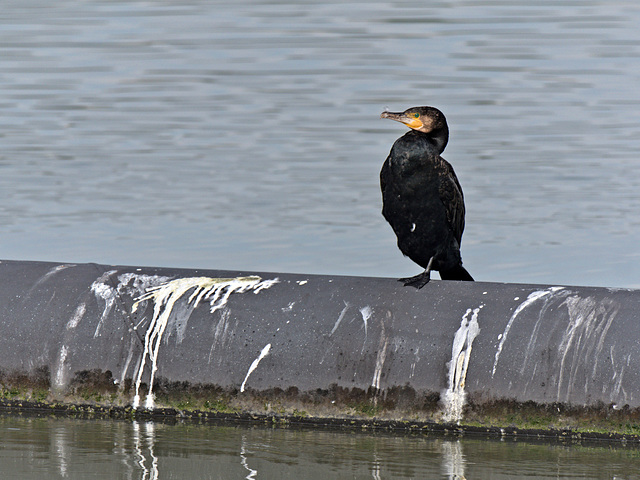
{"x": 421, "y": 197}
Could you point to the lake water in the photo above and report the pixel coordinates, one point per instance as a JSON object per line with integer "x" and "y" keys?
{"x": 245, "y": 135}
{"x": 53, "y": 448}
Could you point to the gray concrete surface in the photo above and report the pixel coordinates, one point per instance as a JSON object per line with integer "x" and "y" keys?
{"x": 250, "y": 332}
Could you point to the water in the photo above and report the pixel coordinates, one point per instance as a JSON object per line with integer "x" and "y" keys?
{"x": 35, "y": 448}
{"x": 245, "y": 135}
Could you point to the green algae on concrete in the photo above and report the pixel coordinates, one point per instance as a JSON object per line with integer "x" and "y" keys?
{"x": 94, "y": 394}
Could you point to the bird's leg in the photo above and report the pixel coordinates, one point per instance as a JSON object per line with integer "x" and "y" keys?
{"x": 419, "y": 280}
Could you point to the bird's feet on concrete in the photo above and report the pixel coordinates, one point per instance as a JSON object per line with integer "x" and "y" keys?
{"x": 418, "y": 281}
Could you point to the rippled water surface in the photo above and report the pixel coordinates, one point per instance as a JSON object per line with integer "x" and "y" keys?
{"x": 245, "y": 135}
{"x": 36, "y": 448}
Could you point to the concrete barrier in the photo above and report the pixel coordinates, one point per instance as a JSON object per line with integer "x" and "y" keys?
{"x": 315, "y": 346}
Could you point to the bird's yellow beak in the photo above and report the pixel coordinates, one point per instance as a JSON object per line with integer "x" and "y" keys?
{"x": 410, "y": 122}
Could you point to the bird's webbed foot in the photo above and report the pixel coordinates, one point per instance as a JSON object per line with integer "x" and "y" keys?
{"x": 419, "y": 280}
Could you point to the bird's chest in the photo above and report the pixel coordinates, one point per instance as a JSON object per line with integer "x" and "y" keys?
{"x": 411, "y": 178}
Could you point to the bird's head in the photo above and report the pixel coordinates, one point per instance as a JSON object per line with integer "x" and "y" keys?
{"x": 422, "y": 119}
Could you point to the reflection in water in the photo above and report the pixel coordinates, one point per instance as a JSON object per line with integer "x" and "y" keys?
{"x": 143, "y": 447}
{"x": 453, "y": 460}
{"x": 376, "y": 465}
{"x": 243, "y": 459}
{"x": 59, "y": 440}
{"x": 36, "y": 448}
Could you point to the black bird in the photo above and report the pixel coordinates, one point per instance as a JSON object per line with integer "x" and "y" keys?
{"x": 421, "y": 197}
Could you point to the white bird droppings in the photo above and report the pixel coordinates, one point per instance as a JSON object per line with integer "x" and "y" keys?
{"x": 216, "y": 290}
{"x": 533, "y": 296}
{"x": 254, "y": 364}
{"x": 77, "y": 316}
{"x": 454, "y": 397}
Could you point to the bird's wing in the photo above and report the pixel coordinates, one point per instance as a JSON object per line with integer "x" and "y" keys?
{"x": 453, "y": 199}
{"x": 383, "y": 174}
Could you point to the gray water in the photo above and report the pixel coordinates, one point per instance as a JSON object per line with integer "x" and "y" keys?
{"x": 36, "y": 448}
{"x": 245, "y": 135}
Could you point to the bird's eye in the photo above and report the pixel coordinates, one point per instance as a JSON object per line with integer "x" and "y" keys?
{"x": 416, "y": 115}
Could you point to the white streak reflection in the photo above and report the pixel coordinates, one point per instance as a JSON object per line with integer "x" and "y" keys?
{"x": 375, "y": 470}
{"x": 243, "y": 460}
{"x": 453, "y": 461}
{"x": 62, "y": 447}
{"x": 144, "y": 436}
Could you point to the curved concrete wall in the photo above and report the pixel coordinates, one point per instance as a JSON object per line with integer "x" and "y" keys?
{"x": 255, "y": 332}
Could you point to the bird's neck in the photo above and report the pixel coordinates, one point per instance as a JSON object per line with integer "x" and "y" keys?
{"x": 439, "y": 138}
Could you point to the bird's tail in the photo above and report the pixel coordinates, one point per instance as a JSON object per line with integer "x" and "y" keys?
{"x": 456, "y": 273}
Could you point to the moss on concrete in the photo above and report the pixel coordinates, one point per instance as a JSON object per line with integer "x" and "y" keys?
{"x": 95, "y": 393}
